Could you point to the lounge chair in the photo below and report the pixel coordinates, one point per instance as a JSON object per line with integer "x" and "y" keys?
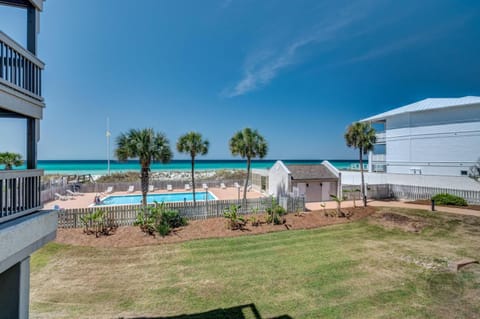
{"x": 204, "y": 186}
{"x": 61, "y": 197}
{"x": 130, "y": 189}
{"x": 236, "y": 185}
{"x": 150, "y": 188}
{"x": 69, "y": 192}
{"x": 187, "y": 187}
{"x": 222, "y": 186}
{"x": 109, "y": 190}
{"x": 169, "y": 188}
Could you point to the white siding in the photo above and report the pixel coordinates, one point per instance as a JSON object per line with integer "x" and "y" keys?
{"x": 437, "y": 142}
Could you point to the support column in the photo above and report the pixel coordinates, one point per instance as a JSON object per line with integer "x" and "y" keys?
{"x": 24, "y": 293}
{"x": 370, "y": 157}
{"x": 32, "y": 30}
{"x": 15, "y": 291}
{"x": 32, "y": 143}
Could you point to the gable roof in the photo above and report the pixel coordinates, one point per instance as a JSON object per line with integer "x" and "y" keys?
{"x": 310, "y": 172}
{"x": 426, "y": 105}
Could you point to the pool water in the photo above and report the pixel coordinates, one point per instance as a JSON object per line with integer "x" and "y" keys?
{"x": 151, "y": 198}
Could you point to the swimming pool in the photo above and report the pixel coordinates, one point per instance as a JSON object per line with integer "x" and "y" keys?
{"x": 151, "y": 198}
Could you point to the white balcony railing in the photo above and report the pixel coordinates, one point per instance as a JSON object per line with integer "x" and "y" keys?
{"x": 20, "y": 193}
{"x": 379, "y": 158}
{"x": 20, "y": 69}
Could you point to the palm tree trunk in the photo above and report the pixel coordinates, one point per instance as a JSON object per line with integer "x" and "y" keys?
{"x": 144, "y": 182}
{"x": 246, "y": 180}
{"x": 193, "y": 181}
{"x": 364, "y": 197}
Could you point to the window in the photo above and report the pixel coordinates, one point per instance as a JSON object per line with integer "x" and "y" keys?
{"x": 263, "y": 183}
{"x": 463, "y": 173}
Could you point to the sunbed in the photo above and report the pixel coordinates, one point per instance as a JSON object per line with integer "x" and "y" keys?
{"x": 74, "y": 193}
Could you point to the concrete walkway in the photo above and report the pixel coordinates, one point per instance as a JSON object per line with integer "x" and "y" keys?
{"x": 399, "y": 204}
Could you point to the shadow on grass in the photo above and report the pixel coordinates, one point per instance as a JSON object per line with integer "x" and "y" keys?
{"x": 238, "y": 312}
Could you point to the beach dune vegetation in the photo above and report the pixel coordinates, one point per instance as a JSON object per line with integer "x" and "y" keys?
{"x": 248, "y": 144}
{"x": 193, "y": 144}
{"x": 146, "y": 145}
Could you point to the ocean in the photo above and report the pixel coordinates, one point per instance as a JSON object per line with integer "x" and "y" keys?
{"x": 99, "y": 167}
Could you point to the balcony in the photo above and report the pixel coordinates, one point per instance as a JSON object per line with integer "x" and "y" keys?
{"x": 20, "y": 193}
{"x": 20, "y": 70}
{"x": 381, "y": 137}
{"x": 379, "y": 158}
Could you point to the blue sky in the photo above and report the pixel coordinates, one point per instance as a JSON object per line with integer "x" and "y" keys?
{"x": 298, "y": 71}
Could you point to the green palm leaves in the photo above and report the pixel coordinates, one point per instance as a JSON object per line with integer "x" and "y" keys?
{"x": 192, "y": 143}
{"x": 361, "y": 136}
{"x": 248, "y": 144}
{"x": 146, "y": 145}
{"x": 10, "y": 160}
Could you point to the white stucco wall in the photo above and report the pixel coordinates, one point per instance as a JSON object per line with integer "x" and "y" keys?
{"x": 437, "y": 142}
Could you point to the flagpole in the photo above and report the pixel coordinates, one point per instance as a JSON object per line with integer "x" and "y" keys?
{"x": 108, "y": 146}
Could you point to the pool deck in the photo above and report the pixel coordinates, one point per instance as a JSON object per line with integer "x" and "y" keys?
{"x": 87, "y": 199}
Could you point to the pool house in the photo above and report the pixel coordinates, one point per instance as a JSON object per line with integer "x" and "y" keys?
{"x": 315, "y": 182}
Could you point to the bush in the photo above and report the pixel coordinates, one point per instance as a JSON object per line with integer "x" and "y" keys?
{"x": 159, "y": 219}
{"x": 449, "y": 199}
{"x": 235, "y": 221}
{"x": 275, "y": 213}
{"x": 98, "y": 223}
{"x": 164, "y": 229}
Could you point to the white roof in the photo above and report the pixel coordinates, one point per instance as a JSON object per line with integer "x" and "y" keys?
{"x": 425, "y": 105}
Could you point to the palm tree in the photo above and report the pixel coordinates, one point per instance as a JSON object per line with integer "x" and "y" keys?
{"x": 10, "y": 160}
{"x": 146, "y": 145}
{"x": 248, "y": 144}
{"x": 193, "y": 144}
{"x": 361, "y": 136}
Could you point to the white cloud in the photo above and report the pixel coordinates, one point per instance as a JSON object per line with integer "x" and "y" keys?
{"x": 262, "y": 66}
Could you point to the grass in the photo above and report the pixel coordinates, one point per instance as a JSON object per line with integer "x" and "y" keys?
{"x": 356, "y": 270}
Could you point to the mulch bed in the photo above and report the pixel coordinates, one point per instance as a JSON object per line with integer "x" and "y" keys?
{"x": 429, "y": 202}
{"x": 131, "y": 236}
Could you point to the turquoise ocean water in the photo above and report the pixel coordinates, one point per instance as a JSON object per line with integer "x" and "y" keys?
{"x": 99, "y": 167}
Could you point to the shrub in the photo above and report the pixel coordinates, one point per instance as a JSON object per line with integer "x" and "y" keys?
{"x": 146, "y": 219}
{"x": 98, "y": 223}
{"x": 164, "y": 229}
{"x": 275, "y": 213}
{"x": 159, "y": 219}
{"x": 234, "y": 220}
{"x": 449, "y": 199}
{"x": 254, "y": 219}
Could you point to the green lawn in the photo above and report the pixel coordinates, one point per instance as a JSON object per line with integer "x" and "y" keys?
{"x": 356, "y": 270}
